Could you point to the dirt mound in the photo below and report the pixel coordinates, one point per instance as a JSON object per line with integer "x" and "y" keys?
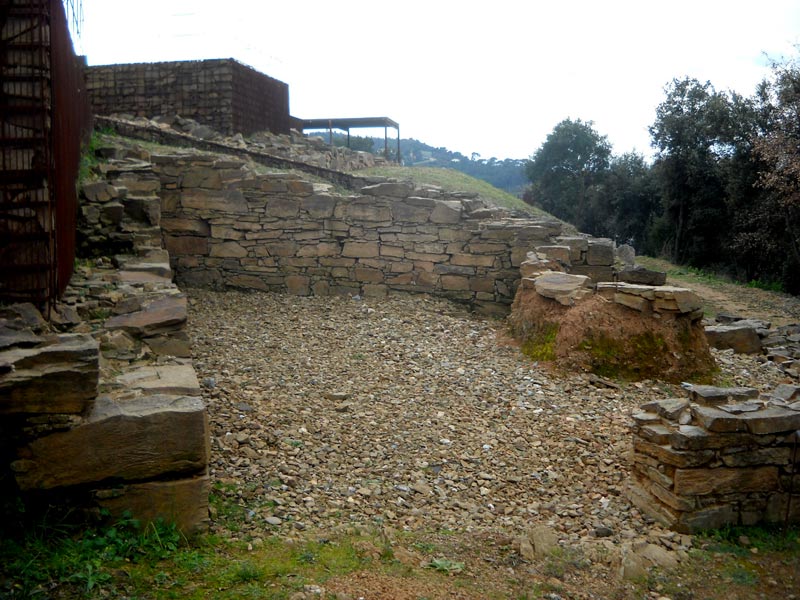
{"x": 611, "y": 340}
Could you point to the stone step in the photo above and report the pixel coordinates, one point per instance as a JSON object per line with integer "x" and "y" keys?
{"x": 131, "y": 440}
{"x": 58, "y": 376}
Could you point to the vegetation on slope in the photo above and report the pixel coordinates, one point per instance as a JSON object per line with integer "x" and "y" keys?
{"x": 455, "y": 181}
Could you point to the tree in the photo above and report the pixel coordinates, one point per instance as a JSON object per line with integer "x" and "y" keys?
{"x": 567, "y": 171}
{"x": 692, "y": 131}
{"x": 630, "y": 201}
{"x": 778, "y": 146}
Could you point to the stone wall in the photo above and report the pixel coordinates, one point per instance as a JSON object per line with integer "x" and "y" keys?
{"x": 227, "y": 225}
{"x": 222, "y": 93}
{"x": 101, "y": 406}
{"x": 720, "y": 457}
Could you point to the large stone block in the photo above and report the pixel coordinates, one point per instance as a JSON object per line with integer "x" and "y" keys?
{"x": 361, "y": 249}
{"x": 722, "y": 480}
{"x": 743, "y": 339}
{"x": 163, "y": 314}
{"x": 179, "y": 245}
{"x": 59, "y": 376}
{"x": 175, "y": 379}
{"x": 447, "y": 211}
{"x": 229, "y": 201}
{"x": 319, "y": 206}
{"x": 183, "y": 502}
{"x": 282, "y": 208}
{"x": 600, "y": 252}
{"x": 391, "y": 189}
{"x": 229, "y": 249}
{"x": 407, "y": 213}
{"x": 369, "y": 211}
{"x": 128, "y": 440}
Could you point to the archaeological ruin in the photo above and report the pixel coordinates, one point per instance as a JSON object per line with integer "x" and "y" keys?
{"x": 92, "y": 397}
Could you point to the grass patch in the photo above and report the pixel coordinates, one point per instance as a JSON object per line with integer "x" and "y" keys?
{"x": 455, "y": 181}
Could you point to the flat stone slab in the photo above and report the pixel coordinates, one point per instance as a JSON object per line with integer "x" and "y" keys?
{"x": 711, "y": 395}
{"x": 770, "y": 420}
{"x": 158, "y": 316}
{"x": 59, "y": 376}
{"x": 558, "y": 286}
{"x": 740, "y": 336}
{"x": 643, "y": 276}
{"x": 162, "y": 379}
{"x": 130, "y": 440}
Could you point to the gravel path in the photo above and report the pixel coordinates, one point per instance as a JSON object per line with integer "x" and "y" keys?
{"x": 411, "y": 412}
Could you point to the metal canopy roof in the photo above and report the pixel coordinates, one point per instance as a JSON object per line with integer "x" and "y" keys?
{"x": 346, "y": 124}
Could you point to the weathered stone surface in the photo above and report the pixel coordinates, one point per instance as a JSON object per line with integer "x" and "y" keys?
{"x": 230, "y": 201}
{"x": 179, "y": 245}
{"x": 395, "y": 190}
{"x": 642, "y": 275}
{"x": 786, "y": 392}
{"x": 626, "y": 254}
{"x": 685, "y": 300}
{"x": 722, "y": 480}
{"x": 361, "y": 250}
{"x": 634, "y": 302}
{"x": 560, "y": 286}
{"x": 711, "y": 395}
{"x": 369, "y": 211}
{"x": 319, "y": 206}
{"x": 162, "y": 314}
{"x": 177, "y": 379}
{"x": 57, "y": 377}
{"x": 559, "y": 253}
{"x": 669, "y": 408}
{"x": 597, "y": 273}
{"x": 600, "y": 252}
{"x": 298, "y": 285}
{"x": 446, "y": 211}
{"x": 228, "y": 249}
{"x": 131, "y": 440}
{"x": 183, "y": 502}
{"x": 741, "y": 338}
{"x": 578, "y": 246}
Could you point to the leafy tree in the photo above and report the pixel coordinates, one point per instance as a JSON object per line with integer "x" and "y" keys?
{"x": 630, "y": 201}
{"x": 692, "y": 131}
{"x": 566, "y": 172}
{"x": 778, "y": 146}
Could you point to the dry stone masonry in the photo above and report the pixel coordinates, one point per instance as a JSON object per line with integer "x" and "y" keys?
{"x": 610, "y": 328}
{"x": 101, "y": 405}
{"x": 722, "y": 456}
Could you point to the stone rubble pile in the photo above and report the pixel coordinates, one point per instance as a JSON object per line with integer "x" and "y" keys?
{"x": 722, "y": 456}
{"x": 780, "y": 345}
{"x": 295, "y": 147}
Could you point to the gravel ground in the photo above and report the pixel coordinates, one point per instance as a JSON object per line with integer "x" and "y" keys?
{"x": 413, "y": 413}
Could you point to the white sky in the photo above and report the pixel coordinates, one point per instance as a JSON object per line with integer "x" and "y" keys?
{"x": 492, "y": 77}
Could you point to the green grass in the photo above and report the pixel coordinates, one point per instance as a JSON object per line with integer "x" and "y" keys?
{"x": 455, "y": 181}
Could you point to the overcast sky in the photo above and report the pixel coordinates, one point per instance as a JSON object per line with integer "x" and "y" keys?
{"x": 492, "y": 77}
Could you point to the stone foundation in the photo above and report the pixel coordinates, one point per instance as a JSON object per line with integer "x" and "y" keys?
{"x": 101, "y": 406}
{"x": 720, "y": 457}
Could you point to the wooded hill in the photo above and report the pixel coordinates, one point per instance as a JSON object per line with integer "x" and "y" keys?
{"x": 507, "y": 174}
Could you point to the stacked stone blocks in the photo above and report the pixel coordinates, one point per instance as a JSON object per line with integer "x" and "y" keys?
{"x": 720, "y": 457}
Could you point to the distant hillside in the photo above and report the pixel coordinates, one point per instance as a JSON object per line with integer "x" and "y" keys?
{"x": 507, "y": 175}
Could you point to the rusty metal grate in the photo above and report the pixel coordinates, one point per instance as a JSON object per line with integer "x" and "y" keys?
{"x": 40, "y": 123}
